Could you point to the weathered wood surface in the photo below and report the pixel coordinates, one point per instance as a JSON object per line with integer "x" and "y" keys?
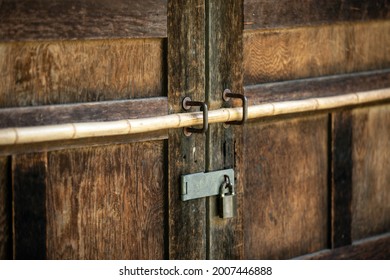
{"x": 374, "y": 248}
{"x": 44, "y": 73}
{"x": 286, "y": 195}
{"x": 83, "y": 112}
{"x": 224, "y": 40}
{"x": 341, "y": 178}
{"x": 5, "y": 210}
{"x": 87, "y": 19}
{"x": 186, "y": 77}
{"x": 261, "y": 14}
{"x": 287, "y": 54}
{"x": 29, "y": 173}
{"x": 107, "y": 202}
{"x": 317, "y": 87}
{"x": 371, "y": 173}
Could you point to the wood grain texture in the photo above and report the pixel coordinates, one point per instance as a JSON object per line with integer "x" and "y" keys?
{"x": 261, "y": 14}
{"x": 5, "y": 210}
{"x": 186, "y": 77}
{"x": 224, "y": 39}
{"x": 107, "y": 202}
{"x": 83, "y": 112}
{"x": 86, "y": 19}
{"x": 286, "y": 193}
{"x": 317, "y": 87}
{"x": 287, "y": 54}
{"x": 341, "y": 165}
{"x": 29, "y": 173}
{"x": 371, "y": 173}
{"x": 374, "y": 248}
{"x": 43, "y": 73}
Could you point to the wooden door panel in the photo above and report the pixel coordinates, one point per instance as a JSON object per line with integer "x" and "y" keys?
{"x": 287, "y": 54}
{"x": 58, "y": 72}
{"x": 288, "y": 13}
{"x": 371, "y": 172}
{"x": 92, "y": 203}
{"x": 86, "y": 19}
{"x": 286, "y": 197}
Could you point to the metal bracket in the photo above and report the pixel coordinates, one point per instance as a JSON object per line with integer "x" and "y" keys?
{"x": 227, "y": 94}
{"x": 202, "y": 184}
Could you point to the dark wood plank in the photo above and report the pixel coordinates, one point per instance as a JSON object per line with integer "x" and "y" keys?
{"x": 371, "y": 173}
{"x": 83, "y": 112}
{"x": 261, "y": 14}
{"x": 59, "y": 72}
{"x": 224, "y": 39}
{"x": 341, "y": 165}
{"x": 374, "y": 248}
{"x": 86, "y": 19}
{"x": 29, "y": 173}
{"x": 107, "y": 202}
{"x": 186, "y": 77}
{"x": 289, "y": 54}
{"x": 286, "y": 193}
{"x": 5, "y": 210}
{"x": 317, "y": 87}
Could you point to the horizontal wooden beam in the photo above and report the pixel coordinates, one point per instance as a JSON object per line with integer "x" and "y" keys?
{"x": 24, "y": 135}
{"x": 317, "y": 87}
{"x": 83, "y": 112}
{"x": 260, "y": 14}
{"x": 374, "y": 248}
{"x": 23, "y": 20}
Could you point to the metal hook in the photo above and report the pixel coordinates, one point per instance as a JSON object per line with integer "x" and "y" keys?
{"x": 187, "y": 104}
{"x": 227, "y": 94}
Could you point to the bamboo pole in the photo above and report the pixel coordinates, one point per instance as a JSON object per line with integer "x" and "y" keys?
{"x": 23, "y": 135}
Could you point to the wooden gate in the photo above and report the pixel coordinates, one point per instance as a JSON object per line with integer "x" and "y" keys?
{"x": 309, "y": 185}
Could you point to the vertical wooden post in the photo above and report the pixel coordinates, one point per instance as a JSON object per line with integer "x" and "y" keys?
{"x": 29, "y": 173}
{"x": 5, "y": 210}
{"x": 341, "y": 179}
{"x": 186, "y": 70}
{"x": 224, "y": 70}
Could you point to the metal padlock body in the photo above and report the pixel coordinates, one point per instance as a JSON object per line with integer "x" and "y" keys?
{"x": 227, "y": 201}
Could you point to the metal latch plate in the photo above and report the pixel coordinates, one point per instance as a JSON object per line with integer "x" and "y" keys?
{"x": 203, "y": 184}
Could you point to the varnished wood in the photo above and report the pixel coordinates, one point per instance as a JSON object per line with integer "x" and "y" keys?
{"x": 261, "y": 14}
{"x": 46, "y": 73}
{"x": 87, "y": 19}
{"x": 186, "y": 77}
{"x": 317, "y": 87}
{"x": 107, "y": 202}
{"x": 83, "y": 112}
{"x": 371, "y": 173}
{"x": 288, "y": 54}
{"x": 29, "y": 184}
{"x": 286, "y": 194}
{"x": 341, "y": 178}
{"x": 5, "y": 210}
{"x": 373, "y": 248}
{"x": 224, "y": 37}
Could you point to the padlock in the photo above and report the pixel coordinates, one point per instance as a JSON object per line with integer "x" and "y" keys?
{"x": 227, "y": 200}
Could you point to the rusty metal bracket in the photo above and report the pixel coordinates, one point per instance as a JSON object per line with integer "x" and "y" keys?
{"x": 227, "y": 94}
{"x": 187, "y": 104}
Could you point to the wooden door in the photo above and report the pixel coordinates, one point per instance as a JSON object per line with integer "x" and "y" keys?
{"x": 314, "y": 185}
{"x": 315, "y": 182}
